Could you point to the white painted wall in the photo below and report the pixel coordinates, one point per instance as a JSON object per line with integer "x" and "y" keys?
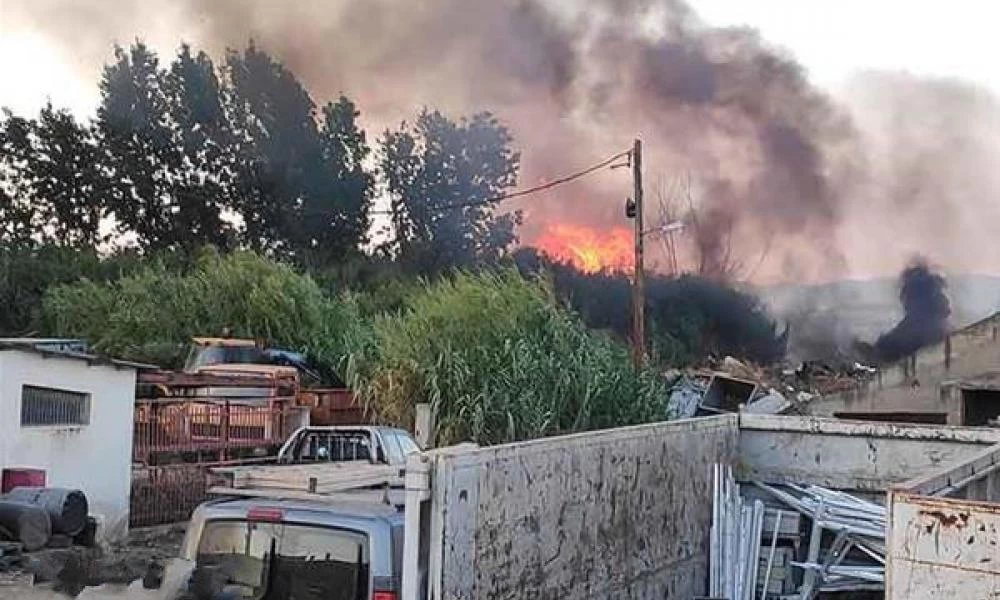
{"x": 94, "y": 458}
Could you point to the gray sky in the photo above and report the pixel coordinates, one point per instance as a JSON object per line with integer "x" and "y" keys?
{"x": 832, "y": 39}
{"x": 835, "y": 38}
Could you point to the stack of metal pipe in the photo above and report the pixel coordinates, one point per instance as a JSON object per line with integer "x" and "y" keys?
{"x": 855, "y": 558}
{"x": 846, "y": 544}
{"x": 735, "y": 539}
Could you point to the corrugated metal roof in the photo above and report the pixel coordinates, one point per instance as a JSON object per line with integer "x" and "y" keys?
{"x": 68, "y": 348}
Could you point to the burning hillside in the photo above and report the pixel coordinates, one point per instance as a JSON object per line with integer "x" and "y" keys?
{"x": 589, "y": 250}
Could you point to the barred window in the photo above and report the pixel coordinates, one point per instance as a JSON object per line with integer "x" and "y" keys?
{"x": 49, "y": 406}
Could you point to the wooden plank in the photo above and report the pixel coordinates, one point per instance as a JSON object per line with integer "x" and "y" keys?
{"x": 365, "y": 497}
{"x": 322, "y": 478}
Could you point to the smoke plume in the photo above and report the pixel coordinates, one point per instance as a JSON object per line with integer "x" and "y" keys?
{"x": 787, "y": 179}
{"x": 926, "y": 307}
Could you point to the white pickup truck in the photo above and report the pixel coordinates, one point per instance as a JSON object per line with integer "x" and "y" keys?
{"x": 379, "y": 445}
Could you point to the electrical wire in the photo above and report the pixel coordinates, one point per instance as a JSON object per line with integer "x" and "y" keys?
{"x": 526, "y": 192}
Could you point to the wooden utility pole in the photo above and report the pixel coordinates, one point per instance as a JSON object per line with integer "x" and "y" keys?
{"x": 638, "y": 284}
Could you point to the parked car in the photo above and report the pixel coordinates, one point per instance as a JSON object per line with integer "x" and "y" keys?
{"x": 291, "y": 549}
{"x": 379, "y": 445}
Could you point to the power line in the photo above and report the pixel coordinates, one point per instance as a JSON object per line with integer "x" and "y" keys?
{"x": 526, "y": 192}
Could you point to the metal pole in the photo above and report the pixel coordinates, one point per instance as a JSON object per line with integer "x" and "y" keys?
{"x": 638, "y": 293}
{"x": 418, "y": 485}
{"x": 770, "y": 556}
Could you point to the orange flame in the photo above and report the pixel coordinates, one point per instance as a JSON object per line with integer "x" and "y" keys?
{"x": 587, "y": 249}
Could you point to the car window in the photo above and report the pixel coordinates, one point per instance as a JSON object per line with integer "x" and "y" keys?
{"x": 286, "y": 561}
{"x": 394, "y": 453}
{"x": 335, "y": 446}
{"x": 406, "y": 443}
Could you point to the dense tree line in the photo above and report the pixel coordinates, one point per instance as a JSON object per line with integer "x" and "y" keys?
{"x": 240, "y": 155}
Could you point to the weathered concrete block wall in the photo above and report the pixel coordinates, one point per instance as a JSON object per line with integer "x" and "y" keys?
{"x": 614, "y": 514}
{"x": 970, "y": 351}
{"x": 850, "y": 455}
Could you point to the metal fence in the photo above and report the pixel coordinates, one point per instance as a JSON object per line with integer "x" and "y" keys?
{"x": 177, "y": 441}
{"x": 167, "y": 494}
{"x": 169, "y": 431}
{"x": 170, "y": 493}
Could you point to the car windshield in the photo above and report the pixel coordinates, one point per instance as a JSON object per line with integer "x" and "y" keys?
{"x": 283, "y": 561}
{"x": 409, "y": 446}
{"x": 205, "y": 356}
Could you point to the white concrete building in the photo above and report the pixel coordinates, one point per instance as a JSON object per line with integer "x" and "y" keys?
{"x": 70, "y": 414}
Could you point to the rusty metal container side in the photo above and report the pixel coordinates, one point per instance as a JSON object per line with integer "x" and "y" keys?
{"x": 332, "y": 406}
{"x": 169, "y": 429}
{"x": 942, "y": 548}
{"x": 944, "y": 531}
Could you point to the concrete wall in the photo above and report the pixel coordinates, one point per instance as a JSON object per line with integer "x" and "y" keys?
{"x": 850, "y": 455}
{"x": 969, "y": 352}
{"x": 95, "y": 458}
{"x": 609, "y": 514}
{"x": 934, "y": 397}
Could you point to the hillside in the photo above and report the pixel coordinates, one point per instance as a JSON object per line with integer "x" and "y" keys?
{"x": 841, "y": 312}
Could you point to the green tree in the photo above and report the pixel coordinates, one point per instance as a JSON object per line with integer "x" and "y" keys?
{"x": 203, "y": 179}
{"x": 138, "y": 144}
{"x": 280, "y": 156}
{"x": 17, "y": 215}
{"x": 152, "y": 312}
{"x": 70, "y": 184}
{"x": 441, "y": 175}
{"x": 335, "y": 217}
{"x": 303, "y": 189}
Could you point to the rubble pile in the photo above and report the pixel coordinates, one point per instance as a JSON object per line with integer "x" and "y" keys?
{"x": 71, "y": 571}
{"x": 731, "y": 385}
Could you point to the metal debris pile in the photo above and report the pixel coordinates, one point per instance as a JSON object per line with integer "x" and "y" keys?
{"x": 731, "y": 385}
{"x": 803, "y": 541}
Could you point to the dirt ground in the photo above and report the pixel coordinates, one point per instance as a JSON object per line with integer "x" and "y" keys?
{"x": 67, "y": 572}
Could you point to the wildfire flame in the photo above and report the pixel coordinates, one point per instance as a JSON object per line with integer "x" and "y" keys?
{"x": 589, "y": 250}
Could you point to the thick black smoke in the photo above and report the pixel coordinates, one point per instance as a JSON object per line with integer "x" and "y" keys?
{"x": 576, "y": 81}
{"x": 781, "y": 171}
{"x": 927, "y": 309}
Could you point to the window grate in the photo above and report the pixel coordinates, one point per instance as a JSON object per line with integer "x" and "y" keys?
{"x": 49, "y": 406}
